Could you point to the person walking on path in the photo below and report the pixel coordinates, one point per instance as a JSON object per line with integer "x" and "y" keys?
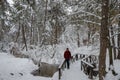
{"x": 67, "y": 56}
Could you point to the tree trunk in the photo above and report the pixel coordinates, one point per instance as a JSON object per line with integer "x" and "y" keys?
{"x": 45, "y": 12}
{"x": 89, "y": 32}
{"x": 110, "y": 54}
{"x": 119, "y": 39}
{"x": 18, "y": 33}
{"x": 103, "y": 39}
{"x": 78, "y": 37}
{"x": 44, "y": 25}
{"x": 24, "y": 38}
{"x": 113, "y": 43}
{"x": 31, "y": 35}
{"x": 56, "y": 31}
{"x": 2, "y": 21}
{"x": 31, "y": 31}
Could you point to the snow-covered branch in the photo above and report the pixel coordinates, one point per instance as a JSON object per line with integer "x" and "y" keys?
{"x": 87, "y": 21}
{"x": 87, "y": 13}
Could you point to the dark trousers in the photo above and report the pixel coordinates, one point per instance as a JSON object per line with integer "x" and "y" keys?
{"x": 67, "y": 63}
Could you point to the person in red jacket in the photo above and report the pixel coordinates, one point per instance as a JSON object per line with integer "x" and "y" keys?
{"x": 67, "y": 56}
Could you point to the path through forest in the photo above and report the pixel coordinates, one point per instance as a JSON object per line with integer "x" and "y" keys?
{"x": 74, "y": 73}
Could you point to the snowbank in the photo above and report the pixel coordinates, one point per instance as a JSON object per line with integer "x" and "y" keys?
{"x": 12, "y": 68}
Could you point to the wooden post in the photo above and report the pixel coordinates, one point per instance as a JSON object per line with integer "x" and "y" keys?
{"x": 80, "y": 56}
{"x": 91, "y": 74}
{"x": 90, "y": 59}
{"x": 81, "y": 65}
{"x": 83, "y": 56}
{"x": 59, "y": 74}
{"x": 76, "y": 56}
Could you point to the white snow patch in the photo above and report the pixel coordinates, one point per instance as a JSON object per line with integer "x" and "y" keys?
{"x": 12, "y": 68}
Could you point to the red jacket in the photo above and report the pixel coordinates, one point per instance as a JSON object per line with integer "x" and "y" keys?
{"x": 67, "y": 54}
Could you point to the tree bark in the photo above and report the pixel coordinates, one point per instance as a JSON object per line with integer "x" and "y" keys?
{"x": 24, "y": 38}
{"x": 78, "y": 37}
{"x": 118, "y": 39}
{"x": 56, "y": 30}
{"x": 110, "y": 54}
{"x": 2, "y": 21}
{"x": 18, "y": 33}
{"x": 103, "y": 39}
{"x": 113, "y": 43}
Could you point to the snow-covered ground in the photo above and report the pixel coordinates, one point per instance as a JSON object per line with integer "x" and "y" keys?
{"x": 74, "y": 73}
{"x": 12, "y": 68}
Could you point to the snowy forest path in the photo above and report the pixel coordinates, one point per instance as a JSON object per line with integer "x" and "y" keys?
{"x": 74, "y": 73}
{"x": 80, "y": 63}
